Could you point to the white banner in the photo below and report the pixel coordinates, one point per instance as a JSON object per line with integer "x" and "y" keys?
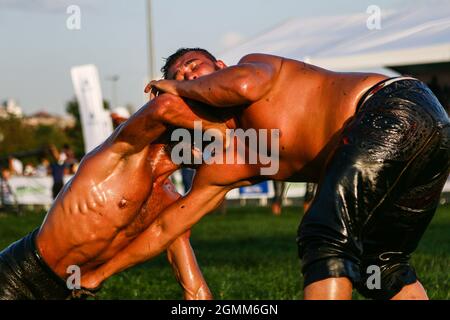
{"x": 264, "y": 190}
{"x": 33, "y": 190}
{"x": 95, "y": 120}
{"x": 38, "y": 190}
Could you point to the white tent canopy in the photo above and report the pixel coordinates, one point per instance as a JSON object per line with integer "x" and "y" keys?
{"x": 418, "y": 35}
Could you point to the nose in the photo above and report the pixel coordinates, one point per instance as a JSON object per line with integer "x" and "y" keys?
{"x": 190, "y": 76}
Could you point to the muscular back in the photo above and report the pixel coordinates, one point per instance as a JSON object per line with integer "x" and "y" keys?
{"x": 309, "y": 105}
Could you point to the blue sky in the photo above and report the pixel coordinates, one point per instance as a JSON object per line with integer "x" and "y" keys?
{"x": 37, "y": 50}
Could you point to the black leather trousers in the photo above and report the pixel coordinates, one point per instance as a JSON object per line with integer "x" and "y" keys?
{"x": 379, "y": 191}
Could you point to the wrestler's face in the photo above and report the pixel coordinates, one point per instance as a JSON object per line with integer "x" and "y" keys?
{"x": 193, "y": 65}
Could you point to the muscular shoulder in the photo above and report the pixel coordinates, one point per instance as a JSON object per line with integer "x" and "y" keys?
{"x": 144, "y": 127}
{"x": 261, "y": 74}
{"x": 274, "y": 61}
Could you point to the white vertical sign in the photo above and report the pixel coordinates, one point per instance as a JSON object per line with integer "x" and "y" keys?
{"x": 95, "y": 120}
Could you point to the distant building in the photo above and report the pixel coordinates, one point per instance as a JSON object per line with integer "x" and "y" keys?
{"x": 47, "y": 119}
{"x": 10, "y": 108}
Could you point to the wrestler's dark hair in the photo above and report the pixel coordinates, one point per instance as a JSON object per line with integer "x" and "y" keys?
{"x": 169, "y": 61}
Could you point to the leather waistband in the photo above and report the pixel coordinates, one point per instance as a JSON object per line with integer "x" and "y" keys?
{"x": 377, "y": 87}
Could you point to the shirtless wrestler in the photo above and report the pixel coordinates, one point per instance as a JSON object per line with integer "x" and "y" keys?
{"x": 377, "y": 147}
{"x": 118, "y": 190}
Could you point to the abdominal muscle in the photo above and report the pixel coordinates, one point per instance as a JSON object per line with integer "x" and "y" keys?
{"x": 88, "y": 235}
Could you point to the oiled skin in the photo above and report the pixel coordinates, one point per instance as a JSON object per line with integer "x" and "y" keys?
{"x": 117, "y": 192}
{"x": 309, "y": 105}
{"x": 98, "y": 214}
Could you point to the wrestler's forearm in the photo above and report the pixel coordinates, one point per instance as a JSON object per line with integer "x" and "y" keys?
{"x": 232, "y": 86}
{"x": 135, "y": 253}
{"x": 179, "y": 114}
{"x": 149, "y": 122}
{"x": 169, "y": 225}
{"x": 182, "y": 258}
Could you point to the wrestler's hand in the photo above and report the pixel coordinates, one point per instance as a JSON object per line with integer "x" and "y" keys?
{"x": 91, "y": 281}
{"x": 153, "y": 93}
{"x": 167, "y": 86}
{"x": 203, "y": 293}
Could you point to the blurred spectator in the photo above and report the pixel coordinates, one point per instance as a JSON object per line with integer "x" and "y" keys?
{"x": 43, "y": 168}
{"x": 7, "y": 198}
{"x": 62, "y": 157}
{"x": 277, "y": 200}
{"x": 75, "y": 167}
{"x": 57, "y": 167}
{"x": 29, "y": 170}
{"x": 119, "y": 115}
{"x": 69, "y": 154}
{"x": 70, "y": 160}
{"x": 15, "y": 166}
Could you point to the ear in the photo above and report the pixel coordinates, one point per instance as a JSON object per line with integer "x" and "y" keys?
{"x": 220, "y": 64}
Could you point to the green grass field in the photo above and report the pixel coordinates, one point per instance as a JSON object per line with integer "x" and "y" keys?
{"x": 248, "y": 254}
